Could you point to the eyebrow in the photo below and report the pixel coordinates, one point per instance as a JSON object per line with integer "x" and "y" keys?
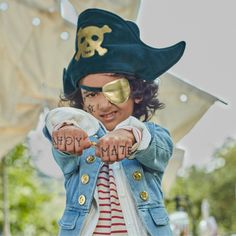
{"x": 91, "y": 89}
{"x": 85, "y": 92}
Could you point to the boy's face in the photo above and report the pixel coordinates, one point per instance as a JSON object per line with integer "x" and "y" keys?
{"x": 99, "y": 106}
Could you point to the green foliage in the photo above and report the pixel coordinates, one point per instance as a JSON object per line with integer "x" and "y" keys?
{"x": 218, "y": 186}
{"x": 223, "y": 189}
{"x": 32, "y": 202}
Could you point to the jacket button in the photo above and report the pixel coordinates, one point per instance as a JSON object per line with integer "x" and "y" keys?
{"x": 82, "y": 199}
{"x": 144, "y": 195}
{"x": 85, "y": 178}
{"x": 94, "y": 144}
{"x": 137, "y": 175}
{"x": 90, "y": 159}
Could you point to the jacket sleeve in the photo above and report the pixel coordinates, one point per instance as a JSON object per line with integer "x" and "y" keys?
{"x": 159, "y": 151}
{"x": 68, "y": 163}
{"x": 72, "y": 115}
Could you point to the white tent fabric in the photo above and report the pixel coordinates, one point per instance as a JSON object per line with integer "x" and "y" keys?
{"x": 185, "y": 105}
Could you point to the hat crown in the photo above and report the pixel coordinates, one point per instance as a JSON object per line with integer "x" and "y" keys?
{"x": 122, "y": 31}
{"x": 106, "y": 43}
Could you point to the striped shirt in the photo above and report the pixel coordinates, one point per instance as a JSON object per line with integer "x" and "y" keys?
{"x": 111, "y": 220}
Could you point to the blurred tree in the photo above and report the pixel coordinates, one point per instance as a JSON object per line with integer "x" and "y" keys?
{"x": 34, "y": 204}
{"x": 217, "y": 183}
{"x": 223, "y": 188}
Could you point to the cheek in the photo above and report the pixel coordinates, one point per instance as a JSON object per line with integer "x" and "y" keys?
{"x": 89, "y": 106}
{"x": 128, "y": 107}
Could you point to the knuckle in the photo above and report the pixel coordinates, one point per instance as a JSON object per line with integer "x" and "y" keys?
{"x": 121, "y": 157}
{"x": 70, "y": 148}
{"x": 113, "y": 158}
{"x": 79, "y": 153}
{"x": 107, "y": 139}
{"x": 75, "y": 132}
{"x": 79, "y": 150}
{"x": 104, "y": 158}
{"x": 129, "y": 142}
{"x": 62, "y": 149}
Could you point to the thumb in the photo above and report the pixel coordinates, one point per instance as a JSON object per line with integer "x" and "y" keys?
{"x": 87, "y": 143}
{"x": 97, "y": 152}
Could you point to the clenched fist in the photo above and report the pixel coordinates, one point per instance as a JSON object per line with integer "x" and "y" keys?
{"x": 115, "y": 145}
{"x": 70, "y": 139}
{"x": 112, "y": 147}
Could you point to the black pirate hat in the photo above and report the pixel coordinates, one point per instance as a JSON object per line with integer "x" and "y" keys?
{"x": 106, "y": 43}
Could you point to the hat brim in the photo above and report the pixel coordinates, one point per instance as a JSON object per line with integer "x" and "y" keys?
{"x": 141, "y": 61}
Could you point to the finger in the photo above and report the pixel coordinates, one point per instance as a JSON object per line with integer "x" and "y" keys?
{"x": 97, "y": 151}
{"x": 104, "y": 150}
{"x": 81, "y": 144}
{"x": 113, "y": 152}
{"x": 78, "y": 145}
{"x": 69, "y": 144}
{"x": 87, "y": 143}
{"x": 54, "y": 139}
{"x": 122, "y": 150}
{"x": 128, "y": 148}
{"x": 110, "y": 162}
{"x": 60, "y": 139}
{"x": 72, "y": 139}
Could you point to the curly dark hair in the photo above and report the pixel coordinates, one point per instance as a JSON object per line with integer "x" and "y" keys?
{"x": 146, "y": 91}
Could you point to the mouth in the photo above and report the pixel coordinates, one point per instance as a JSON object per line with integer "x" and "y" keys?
{"x": 109, "y": 116}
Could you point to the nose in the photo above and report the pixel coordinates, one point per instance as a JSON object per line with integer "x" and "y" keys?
{"x": 104, "y": 104}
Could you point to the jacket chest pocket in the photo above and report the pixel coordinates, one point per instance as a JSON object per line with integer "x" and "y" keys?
{"x": 69, "y": 219}
{"x": 159, "y": 215}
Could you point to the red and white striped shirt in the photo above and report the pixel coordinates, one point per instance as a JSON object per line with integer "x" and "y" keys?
{"x": 111, "y": 220}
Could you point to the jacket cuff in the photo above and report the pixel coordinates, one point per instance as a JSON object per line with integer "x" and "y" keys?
{"x": 137, "y": 124}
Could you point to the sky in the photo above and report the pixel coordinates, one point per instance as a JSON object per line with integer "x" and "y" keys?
{"x": 209, "y": 29}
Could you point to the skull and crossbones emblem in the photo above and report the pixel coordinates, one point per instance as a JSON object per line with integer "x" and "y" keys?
{"x": 90, "y": 39}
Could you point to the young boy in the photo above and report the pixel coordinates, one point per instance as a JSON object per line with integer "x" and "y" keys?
{"x": 112, "y": 161}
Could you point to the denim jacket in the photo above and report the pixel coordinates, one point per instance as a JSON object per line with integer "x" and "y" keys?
{"x": 146, "y": 190}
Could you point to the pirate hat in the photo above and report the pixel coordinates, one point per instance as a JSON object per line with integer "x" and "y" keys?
{"x": 106, "y": 43}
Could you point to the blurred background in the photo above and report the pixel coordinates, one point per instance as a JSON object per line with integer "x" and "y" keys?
{"x": 37, "y": 42}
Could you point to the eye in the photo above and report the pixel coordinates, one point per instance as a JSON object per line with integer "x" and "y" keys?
{"x": 92, "y": 94}
{"x": 94, "y": 37}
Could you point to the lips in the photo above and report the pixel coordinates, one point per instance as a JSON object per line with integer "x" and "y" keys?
{"x": 109, "y": 116}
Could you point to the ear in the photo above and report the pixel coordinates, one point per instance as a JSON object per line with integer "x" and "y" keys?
{"x": 138, "y": 100}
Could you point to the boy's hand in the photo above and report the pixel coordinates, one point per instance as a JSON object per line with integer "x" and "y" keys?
{"x": 70, "y": 139}
{"x": 115, "y": 145}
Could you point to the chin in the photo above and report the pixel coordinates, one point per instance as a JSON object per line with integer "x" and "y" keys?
{"x": 110, "y": 127}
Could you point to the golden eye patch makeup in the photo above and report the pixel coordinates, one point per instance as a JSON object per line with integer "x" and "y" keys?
{"x": 117, "y": 91}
